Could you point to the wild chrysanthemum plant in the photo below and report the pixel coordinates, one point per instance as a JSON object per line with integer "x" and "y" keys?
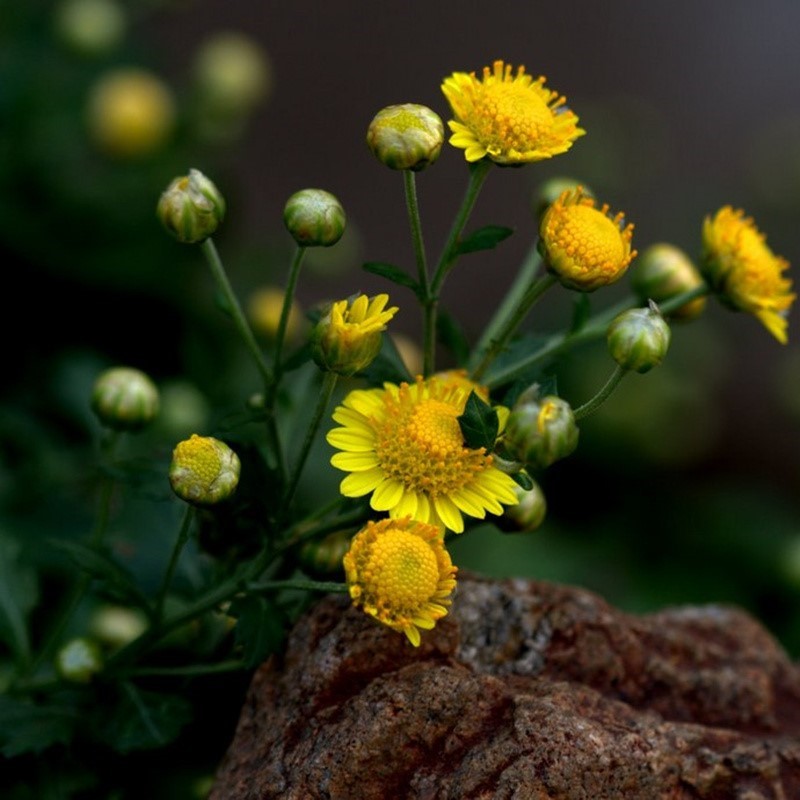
{"x": 424, "y": 456}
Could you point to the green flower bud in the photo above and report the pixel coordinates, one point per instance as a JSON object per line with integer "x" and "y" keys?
{"x": 552, "y": 189}
{"x": 639, "y": 339}
{"x": 117, "y": 626}
{"x": 664, "y": 271}
{"x": 322, "y": 558}
{"x": 78, "y": 661}
{"x": 528, "y": 514}
{"x": 407, "y": 136}
{"x": 314, "y": 217}
{"x": 204, "y": 470}
{"x": 349, "y": 336}
{"x": 540, "y": 431}
{"x": 191, "y": 208}
{"x": 90, "y": 27}
{"x": 125, "y": 399}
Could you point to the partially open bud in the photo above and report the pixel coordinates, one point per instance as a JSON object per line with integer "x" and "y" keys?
{"x": 90, "y": 27}
{"x": 204, "y": 470}
{"x": 314, "y": 217}
{"x": 407, "y": 136}
{"x": 131, "y": 113}
{"x": 664, "y": 271}
{"x": 540, "y": 431}
{"x": 528, "y": 514}
{"x": 348, "y": 337}
{"x": 191, "y": 207}
{"x": 78, "y": 661}
{"x": 322, "y": 558}
{"x": 638, "y": 339}
{"x": 125, "y": 399}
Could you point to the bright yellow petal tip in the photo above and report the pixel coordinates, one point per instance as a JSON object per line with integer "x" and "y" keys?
{"x": 509, "y": 118}
{"x": 404, "y": 446}
{"x": 399, "y": 572}
{"x": 744, "y": 272}
{"x": 584, "y": 246}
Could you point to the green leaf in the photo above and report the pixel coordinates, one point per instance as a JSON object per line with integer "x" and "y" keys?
{"x": 581, "y": 312}
{"x": 452, "y": 336}
{"x": 393, "y": 274}
{"x": 259, "y": 628}
{"x": 18, "y": 596}
{"x": 141, "y": 720}
{"x": 479, "y": 424}
{"x": 29, "y": 728}
{"x": 486, "y": 238}
{"x": 100, "y": 565}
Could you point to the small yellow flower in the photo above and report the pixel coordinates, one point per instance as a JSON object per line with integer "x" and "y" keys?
{"x": 404, "y": 445}
{"x": 584, "y": 246}
{"x": 204, "y": 470}
{"x": 264, "y": 312}
{"x": 348, "y": 337}
{"x": 745, "y": 273}
{"x": 399, "y": 572}
{"x": 512, "y": 119}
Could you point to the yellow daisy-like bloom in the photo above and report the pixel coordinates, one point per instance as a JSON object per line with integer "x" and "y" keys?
{"x": 348, "y": 337}
{"x": 745, "y": 273}
{"x": 584, "y": 246}
{"x": 399, "y": 572}
{"x": 404, "y": 445}
{"x": 510, "y": 118}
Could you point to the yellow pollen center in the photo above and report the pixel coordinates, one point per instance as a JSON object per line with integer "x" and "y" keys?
{"x": 199, "y": 456}
{"x": 589, "y": 237}
{"x": 420, "y": 444}
{"x": 511, "y": 117}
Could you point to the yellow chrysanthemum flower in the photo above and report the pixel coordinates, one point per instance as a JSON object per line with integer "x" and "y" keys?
{"x": 512, "y": 119}
{"x": 584, "y": 246}
{"x": 404, "y": 445}
{"x": 348, "y": 337}
{"x": 744, "y": 272}
{"x": 399, "y": 572}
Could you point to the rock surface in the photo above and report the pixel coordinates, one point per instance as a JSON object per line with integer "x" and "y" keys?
{"x": 528, "y": 690}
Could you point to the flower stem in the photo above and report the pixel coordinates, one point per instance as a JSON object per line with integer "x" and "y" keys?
{"x": 674, "y": 303}
{"x": 298, "y": 583}
{"x": 190, "y": 670}
{"x": 180, "y": 543}
{"x": 510, "y": 325}
{"x": 288, "y": 301}
{"x": 592, "y": 405}
{"x": 328, "y": 385}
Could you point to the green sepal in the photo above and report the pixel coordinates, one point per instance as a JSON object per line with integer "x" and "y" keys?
{"x": 486, "y": 238}
{"x": 523, "y": 480}
{"x": 479, "y": 423}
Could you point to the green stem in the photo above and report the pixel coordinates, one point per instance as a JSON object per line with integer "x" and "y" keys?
{"x": 298, "y": 583}
{"x": 507, "y": 329}
{"x": 180, "y": 543}
{"x": 288, "y": 302}
{"x": 239, "y": 320}
{"x": 190, "y": 670}
{"x": 592, "y": 405}
{"x": 674, "y": 303}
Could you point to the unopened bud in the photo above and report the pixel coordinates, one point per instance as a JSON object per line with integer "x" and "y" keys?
{"x": 322, "y": 558}
{"x": 638, "y": 339}
{"x": 191, "y": 207}
{"x": 125, "y": 399}
{"x": 264, "y": 309}
{"x": 204, "y": 470}
{"x": 529, "y": 513}
{"x": 407, "y": 136}
{"x": 78, "y": 661}
{"x": 116, "y": 626}
{"x": 314, "y": 217}
{"x": 664, "y": 271}
{"x": 540, "y": 431}
{"x": 90, "y": 27}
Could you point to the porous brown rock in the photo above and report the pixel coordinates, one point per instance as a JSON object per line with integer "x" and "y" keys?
{"x": 527, "y": 690}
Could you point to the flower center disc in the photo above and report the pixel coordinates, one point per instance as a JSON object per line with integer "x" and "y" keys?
{"x": 590, "y": 236}
{"x": 511, "y": 117}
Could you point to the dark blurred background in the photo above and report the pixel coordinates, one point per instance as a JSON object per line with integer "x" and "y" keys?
{"x": 685, "y": 486}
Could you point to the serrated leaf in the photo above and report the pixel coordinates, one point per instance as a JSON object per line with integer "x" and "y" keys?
{"x": 479, "y": 423}
{"x": 142, "y": 720}
{"x": 100, "y": 565}
{"x": 259, "y": 628}
{"x": 452, "y": 336}
{"x": 581, "y": 311}
{"x": 29, "y": 728}
{"x": 393, "y": 274}
{"x": 18, "y": 596}
{"x": 486, "y": 238}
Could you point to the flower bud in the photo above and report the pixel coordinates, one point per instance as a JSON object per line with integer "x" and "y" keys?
{"x": 528, "y": 514}
{"x": 117, "y": 626}
{"x": 322, "y": 558}
{"x": 78, "y": 661}
{"x": 551, "y": 190}
{"x": 125, "y": 399}
{"x": 638, "y": 339}
{"x": 204, "y": 471}
{"x": 540, "y": 431}
{"x": 264, "y": 312}
{"x": 191, "y": 207}
{"x": 348, "y": 337}
{"x": 314, "y": 217}
{"x": 131, "y": 113}
{"x": 90, "y": 27}
{"x": 407, "y": 136}
{"x": 664, "y": 271}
